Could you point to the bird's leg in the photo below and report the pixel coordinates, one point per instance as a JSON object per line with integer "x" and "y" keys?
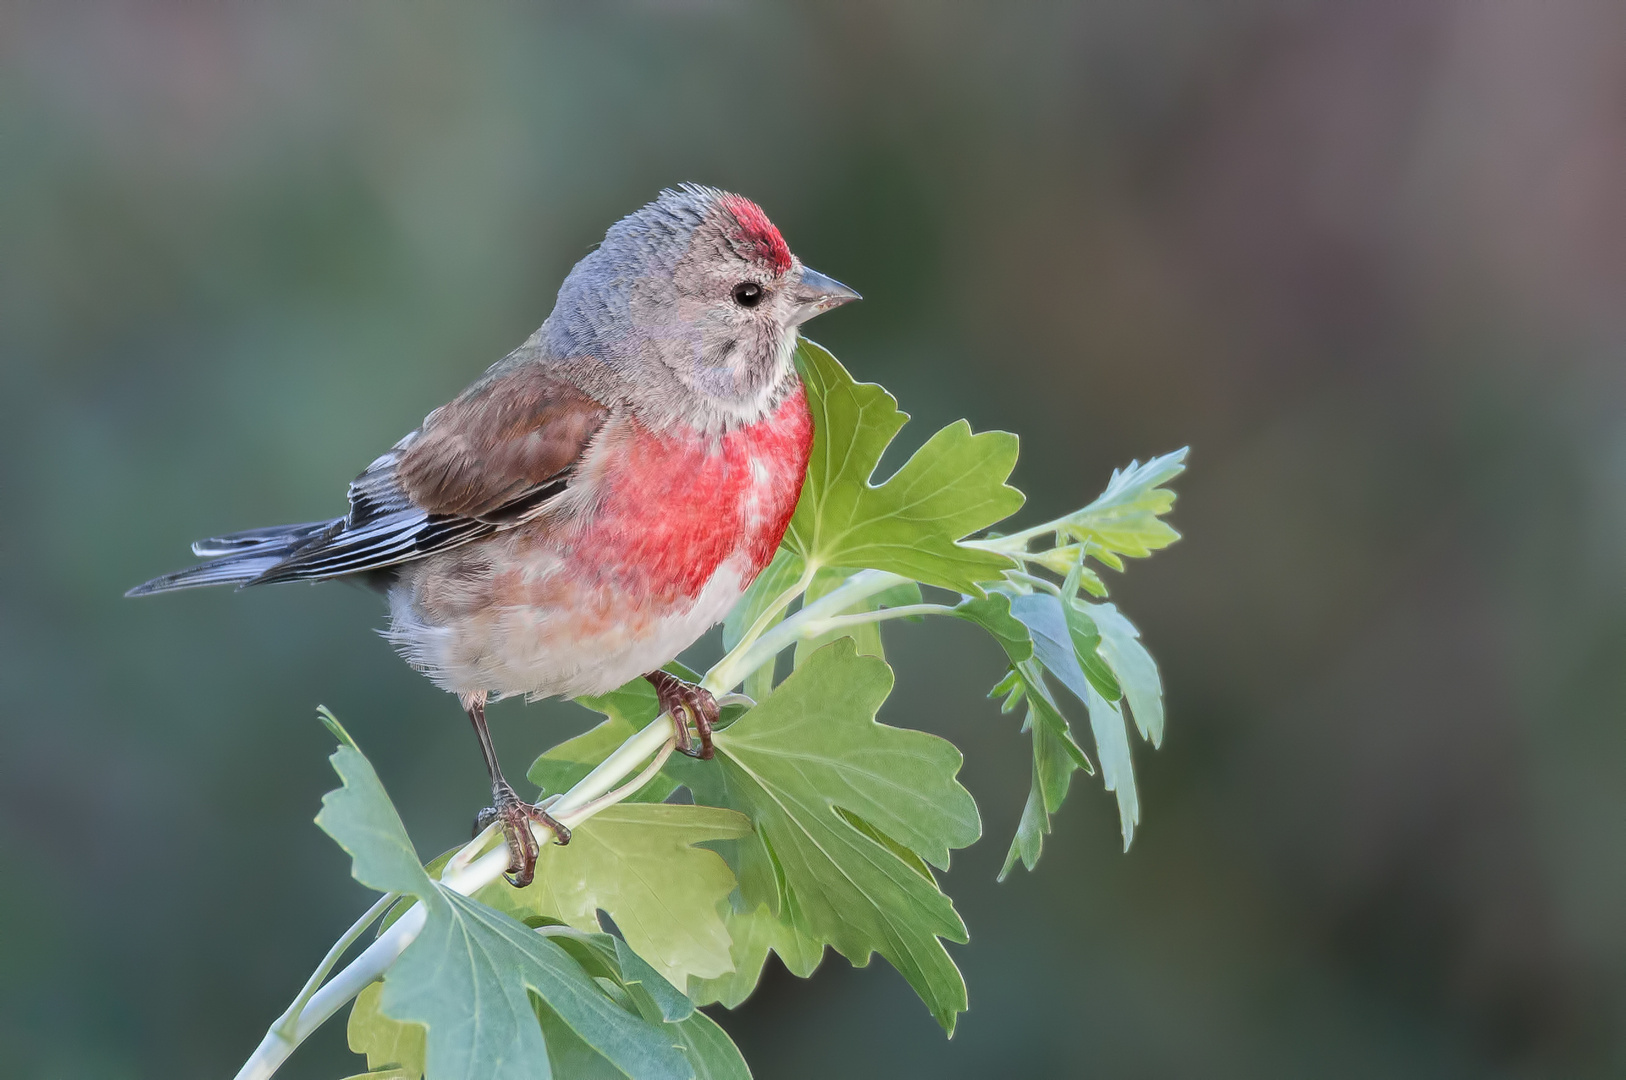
{"x": 508, "y": 808}
{"x": 686, "y": 702}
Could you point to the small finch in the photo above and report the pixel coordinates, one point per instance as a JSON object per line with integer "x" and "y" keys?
{"x": 600, "y": 497}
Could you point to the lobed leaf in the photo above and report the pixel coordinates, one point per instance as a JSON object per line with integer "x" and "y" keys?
{"x": 390, "y": 1044}
{"x": 802, "y": 761}
{"x": 709, "y": 1049}
{"x": 908, "y": 524}
{"x": 1086, "y": 650}
{"x": 993, "y": 613}
{"x": 1135, "y": 669}
{"x": 360, "y": 818}
{"x": 1044, "y": 616}
{"x": 754, "y": 934}
{"x": 1125, "y": 518}
{"x": 468, "y": 979}
{"x": 638, "y": 862}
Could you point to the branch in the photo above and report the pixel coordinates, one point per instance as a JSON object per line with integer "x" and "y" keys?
{"x": 747, "y": 656}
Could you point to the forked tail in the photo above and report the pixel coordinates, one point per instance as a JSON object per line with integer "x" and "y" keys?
{"x": 239, "y": 558}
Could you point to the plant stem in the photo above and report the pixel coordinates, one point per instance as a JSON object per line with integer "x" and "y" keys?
{"x": 614, "y": 769}
{"x": 780, "y": 603}
{"x": 582, "y": 813}
{"x": 373, "y": 962}
{"x": 1015, "y": 543}
{"x": 746, "y": 657}
{"x": 285, "y": 1024}
{"x": 1034, "y": 579}
{"x": 819, "y": 627}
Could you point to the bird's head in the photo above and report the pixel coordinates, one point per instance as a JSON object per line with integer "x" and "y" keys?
{"x": 694, "y": 300}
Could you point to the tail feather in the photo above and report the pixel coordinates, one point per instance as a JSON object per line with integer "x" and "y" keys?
{"x": 284, "y": 537}
{"x": 240, "y": 558}
{"x": 226, "y": 571}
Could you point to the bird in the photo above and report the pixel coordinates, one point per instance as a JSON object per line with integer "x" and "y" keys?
{"x": 599, "y": 498}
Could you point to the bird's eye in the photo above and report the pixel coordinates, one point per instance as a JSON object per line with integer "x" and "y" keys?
{"x": 748, "y": 294}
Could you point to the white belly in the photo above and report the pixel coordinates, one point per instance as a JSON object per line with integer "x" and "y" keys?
{"x": 563, "y": 650}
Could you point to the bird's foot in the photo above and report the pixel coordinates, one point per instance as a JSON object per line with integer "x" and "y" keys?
{"x": 687, "y": 703}
{"x": 516, "y": 816}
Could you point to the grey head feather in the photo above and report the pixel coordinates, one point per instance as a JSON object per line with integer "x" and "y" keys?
{"x": 649, "y": 317}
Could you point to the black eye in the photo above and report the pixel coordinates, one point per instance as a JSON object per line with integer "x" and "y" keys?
{"x": 748, "y": 294}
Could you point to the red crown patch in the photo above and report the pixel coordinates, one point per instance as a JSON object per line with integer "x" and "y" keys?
{"x": 757, "y": 234}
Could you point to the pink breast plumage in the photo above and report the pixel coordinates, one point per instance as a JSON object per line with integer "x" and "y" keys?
{"x": 672, "y": 509}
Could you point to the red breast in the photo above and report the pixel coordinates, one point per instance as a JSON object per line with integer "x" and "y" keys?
{"x": 674, "y": 506}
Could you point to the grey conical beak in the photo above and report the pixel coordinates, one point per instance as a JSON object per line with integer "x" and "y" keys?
{"x": 817, "y": 293}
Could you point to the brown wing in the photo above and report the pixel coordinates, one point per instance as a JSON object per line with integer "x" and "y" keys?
{"x": 496, "y": 444}
{"x": 488, "y": 459}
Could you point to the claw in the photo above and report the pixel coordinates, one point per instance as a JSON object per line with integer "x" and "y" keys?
{"x": 687, "y": 703}
{"x": 516, "y": 816}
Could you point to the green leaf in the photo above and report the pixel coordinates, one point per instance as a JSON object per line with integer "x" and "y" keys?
{"x": 638, "y": 862}
{"x": 1025, "y": 679}
{"x": 709, "y": 1049}
{"x": 1011, "y": 689}
{"x": 1124, "y": 520}
{"x": 569, "y": 1058}
{"x": 361, "y": 819}
{"x": 669, "y": 1002}
{"x": 468, "y": 977}
{"x": 908, "y": 524}
{"x": 388, "y": 1044}
{"x": 912, "y": 860}
{"x": 1053, "y": 647}
{"x": 1055, "y": 753}
{"x": 756, "y": 933}
{"x": 1086, "y": 641}
{"x": 1135, "y": 669}
{"x": 1030, "y": 832}
{"x": 993, "y": 614}
{"x": 813, "y": 750}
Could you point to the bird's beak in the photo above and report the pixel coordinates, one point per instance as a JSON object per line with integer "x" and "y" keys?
{"x": 815, "y": 294}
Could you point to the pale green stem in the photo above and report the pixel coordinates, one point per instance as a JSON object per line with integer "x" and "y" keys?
{"x": 1028, "y": 556}
{"x": 1017, "y": 542}
{"x": 565, "y": 931}
{"x": 570, "y": 817}
{"x": 780, "y": 603}
{"x": 373, "y": 962}
{"x": 285, "y": 1024}
{"x": 745, "y": 658}
{"x": 819, "y": 627}
{"x": 1034, "y": 579}
{"x": 615, "y": 768}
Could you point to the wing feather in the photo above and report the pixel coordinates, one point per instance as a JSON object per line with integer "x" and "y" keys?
{"x": 493, "y": 457}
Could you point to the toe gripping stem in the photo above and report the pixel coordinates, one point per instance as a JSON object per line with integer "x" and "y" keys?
{"x": 516, "y": 816}
{"x": 687, "y": 703}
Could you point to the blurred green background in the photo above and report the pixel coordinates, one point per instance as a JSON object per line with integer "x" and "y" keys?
{"x": 1367, "y": 258}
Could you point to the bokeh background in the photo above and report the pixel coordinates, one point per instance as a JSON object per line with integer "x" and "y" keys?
{"x": 1368, "y": 258}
